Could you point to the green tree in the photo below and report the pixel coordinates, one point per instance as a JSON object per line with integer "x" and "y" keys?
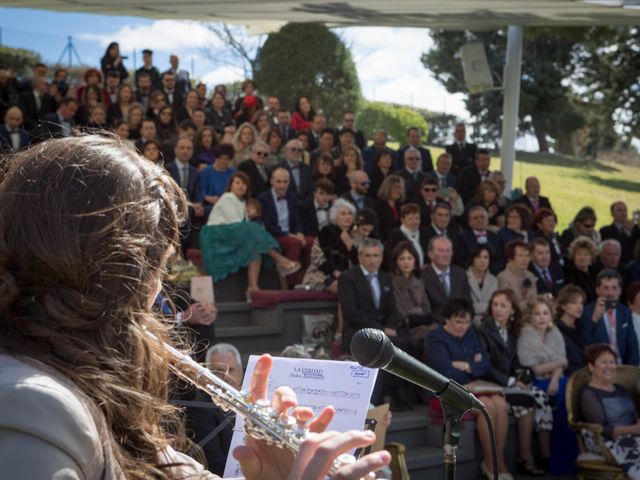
{"x": 309, "y": 59}
{"x": 545, "y": 100}
{"x": 18, "y": 59}
{"x": 394, "y": 119}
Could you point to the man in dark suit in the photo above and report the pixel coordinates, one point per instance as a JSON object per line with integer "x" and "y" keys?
{"x": 365, "y": 294}
{"x": 442, "y": 172}
{"x": 318, "y": 124}
{"x": 172, "y": 94}
{"x": 468, "y": 240}
{"x": 349, "y": 122}
{"x": 144, "y": 88}
{"x": 411, "y": 174}
{"x": 532, "y": 198}
{"x": 59, "y": 123}
{"x": 314, "y": 212}
{"x": 608, "y": 321}
{"x": 440, "y": 223}
{"x": 12, "y": 132}
{"x": 301, "y": 177}
{"x": 428, "y": 198}
{"x": 410, "y": 230}
{"x": 282, "y": 219}
{"x": 360, "y": 183}
{"x": 36, "y": 103}
{"x": 325, "y": 146}
{"x": 370, "y": 154}
{"x": 183, "y": 83}
{"x": 462, "y": 152}
{"x": 470, "y": 177}
{"x": 622, "y": 229}
{"x": 284, "y": 125}
{"x": 188, "y": 177}
{"x": 610, "y": 257}
{"x": 442, "y": 280}
{"x": 413, "y": 140}
{"x": 549, "y": 276}
{"x": 256, "y": 169}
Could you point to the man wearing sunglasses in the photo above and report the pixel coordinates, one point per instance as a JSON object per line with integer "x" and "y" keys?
{"x": 301, "y": 177}
{"x": 256, "y": 169}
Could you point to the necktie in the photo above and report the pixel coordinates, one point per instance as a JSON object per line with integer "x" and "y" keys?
{"x": 443, "y": 182}
{"x": 38, "y": 101}
{"x": 481, "y": 237}
{"x": 184, "y": 178}
{"x": 535, "y": 204}
{"x": 445, "y": 284}
{"x": 613, "y": 337}
{"x": 375, "y": 290}
{"x": 547, "y": 279}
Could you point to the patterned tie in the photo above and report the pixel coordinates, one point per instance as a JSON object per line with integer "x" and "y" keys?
{"x": 547, "y": 279}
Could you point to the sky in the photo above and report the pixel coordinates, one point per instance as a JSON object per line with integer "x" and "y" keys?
{"x": 387, "y": 59}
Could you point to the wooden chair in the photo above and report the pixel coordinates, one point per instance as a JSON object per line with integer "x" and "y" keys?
{"x": 595, "y": 461}
{"x": 398, "y": 465}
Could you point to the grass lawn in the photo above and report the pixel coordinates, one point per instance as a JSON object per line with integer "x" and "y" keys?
{"x": 571, "y": 183}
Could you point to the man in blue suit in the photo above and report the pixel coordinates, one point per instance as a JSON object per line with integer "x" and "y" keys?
{"x": 282, "y": 220}
{"x": 12, "y": 131}
{"x": 608, "y": 321}
{"x": 442, "y": 172}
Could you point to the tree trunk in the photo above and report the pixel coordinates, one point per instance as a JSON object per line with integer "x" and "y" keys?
{"x": 541, "y": 136}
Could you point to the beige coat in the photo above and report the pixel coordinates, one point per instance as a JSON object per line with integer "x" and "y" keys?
{"x": 512, "y": 279}
{"x": 50, "y": 429}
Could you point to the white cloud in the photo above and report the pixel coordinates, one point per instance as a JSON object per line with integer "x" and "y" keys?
{"x": 222, "y": 75}
{"x": 161, "y": 35}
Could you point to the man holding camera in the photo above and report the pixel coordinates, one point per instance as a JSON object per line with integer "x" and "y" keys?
{"x": 608, "y": 321}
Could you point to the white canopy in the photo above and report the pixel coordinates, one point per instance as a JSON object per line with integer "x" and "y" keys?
{"x": 449, "y": 14}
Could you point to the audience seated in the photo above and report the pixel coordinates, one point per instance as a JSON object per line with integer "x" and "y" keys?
{"x": 504, "y": 198}
{"x": 622, "y": 229}
{"x": 413, "y": 140}
{"x": 334, "y": 250}
{"x": 549, "y": 276}
{"x": 482, "y": 283}
{"x": 443, "y": 281}
{"x": 371, "y": 153}
{"x": 360, "y": 184}
{"x": 470, "y": 177}
{"x": 408, "y": 290}
{"x": 610, "y": 257}
{"x": 59, "y": 123}
{"x": 610, "y": 405}
{"x": 303, "y": 114}
{"x": 499, "y": 335}
{"x": 301, "y": 185}
{"x": 569, "y": 308}
{"x": 608, "y": 321}
{"x": 206, "y": 144}
{"x": 516, "y": 275}
{"x": 462, "y": 152}
{"x": 578, "y": 269}
{"x": 411, "y": 174}
{"x": 583, "y": 225}
{"x": 428, "y": 199}
{"x": 440, "y": 223}
{"x": 387, "y": 206}
{"x": 315, "y": 211}
{"x": 517, "y": 223}
{"x": 487, "y": 196}
{"x": 12, "y": 131}
{"x": 544, "y": 225}
{"x": 382, "y": 166}
{"x": 532, "y": 198}
{"x": 323, "y": 168}
{"x": 325, "y": 145}
{"x": 217, "y": 115}
{"x": 349, "y": 122}
{"x": 349, "y": 161}
{"x": 442, "y": 173}
{"x": 541, "y": 348}
{"x": 410, "y": 231}
{"x": 230, "y": 242}
{"x": 214, "y": 179}
{"x": 455, "y": 351}
{"x": 243, "y": 140}
{"x": 478, "y": 233}
{"x": 282, "y": 220}
{"x": 256, "y": 169}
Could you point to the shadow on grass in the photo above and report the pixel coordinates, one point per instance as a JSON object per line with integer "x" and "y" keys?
{"x": 563, "y": 161}
{"x": 615, "y": 183}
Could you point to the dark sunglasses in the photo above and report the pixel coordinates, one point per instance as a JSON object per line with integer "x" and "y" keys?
{"x": 429, "y": 189}
{"x": 262, "y": 154}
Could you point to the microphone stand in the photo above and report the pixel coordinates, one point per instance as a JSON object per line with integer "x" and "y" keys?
{"x": 450, "y": 438}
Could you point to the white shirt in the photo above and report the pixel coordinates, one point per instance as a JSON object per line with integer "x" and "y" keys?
{"x": 374, "y": 284}
{"x": 446, "y": 278}
{"x": 282, "y": 210}
{"x": 414, "y": 238}
{"x": 228, "y": 209}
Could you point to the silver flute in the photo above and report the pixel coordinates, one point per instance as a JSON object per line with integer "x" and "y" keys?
{"x": 260, "y": 420}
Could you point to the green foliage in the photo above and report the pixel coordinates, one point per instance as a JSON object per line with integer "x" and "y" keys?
{"x": 18, "y": 59}
{"x": 394, "y": 119}
{"x": 545, "y": 102}
{"x": 441, "y": 126}
{"x": 309, "y": 59}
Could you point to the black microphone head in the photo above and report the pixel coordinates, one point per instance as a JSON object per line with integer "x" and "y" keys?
{"x": 372, "y": 348}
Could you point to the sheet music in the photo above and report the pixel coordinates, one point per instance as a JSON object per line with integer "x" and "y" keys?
{"x": 346, "y": 386}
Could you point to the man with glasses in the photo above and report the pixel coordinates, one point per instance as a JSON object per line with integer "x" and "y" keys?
{"x": 411, "y": 174}
{"x": 349, "y": 122}
{"x": 532, "y": 198}
{"x": 358, "y": 195}
{"x": 256, "y": 169}
{"x": 461, "y": 151}
{"x": 301, "y": 177}
{"x": 413, "y": 140}
{"x": 428, "y": 198}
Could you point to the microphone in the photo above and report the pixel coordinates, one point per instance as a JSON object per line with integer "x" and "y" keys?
{"x": 372, "y": 348}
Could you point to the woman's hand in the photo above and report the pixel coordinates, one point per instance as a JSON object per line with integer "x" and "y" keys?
{"x": 390, "y": 332}
{"x": 345, "y": 236}
{"x": 464, "y": 366}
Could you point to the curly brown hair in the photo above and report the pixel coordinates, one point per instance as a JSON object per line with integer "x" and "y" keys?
{"x": 86, "y": 227}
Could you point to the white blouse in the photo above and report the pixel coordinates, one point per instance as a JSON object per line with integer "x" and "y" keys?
{"x": 228, "y": 209}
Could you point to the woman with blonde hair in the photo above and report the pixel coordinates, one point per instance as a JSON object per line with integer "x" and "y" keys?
{"x": 349, "y": 161}
{"x": 488, "y": 195}
{"x": 578, "y": 270}
{"x": 391, "y": 196}
{"x": 244, "y": 138}
{"x": 87, "y": 227}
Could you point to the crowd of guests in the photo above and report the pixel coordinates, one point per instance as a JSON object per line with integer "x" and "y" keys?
{"x": 476, "y": 282}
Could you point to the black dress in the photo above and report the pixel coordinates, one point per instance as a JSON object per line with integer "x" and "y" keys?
{"x": 585, "y": 280}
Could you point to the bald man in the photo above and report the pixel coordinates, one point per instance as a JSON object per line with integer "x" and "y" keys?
{"x": 12, "y": 131}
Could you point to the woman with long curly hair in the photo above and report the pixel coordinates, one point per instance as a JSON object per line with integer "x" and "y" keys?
{"x": 86, "y": 229}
